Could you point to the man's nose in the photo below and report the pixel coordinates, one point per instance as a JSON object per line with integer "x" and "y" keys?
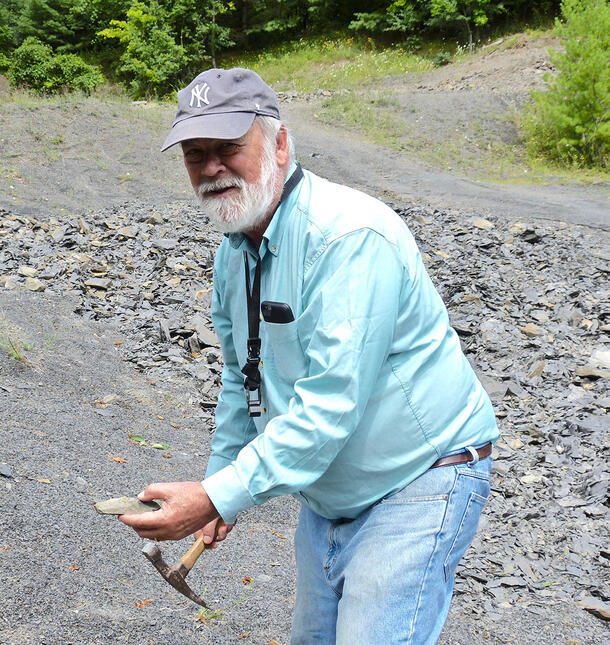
{"x": 212, "y": 165}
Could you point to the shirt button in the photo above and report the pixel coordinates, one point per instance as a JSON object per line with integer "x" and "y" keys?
{"x": 260, "y": 363}
{"x": 274, "y": 248}
{"x": 264, "y": 410}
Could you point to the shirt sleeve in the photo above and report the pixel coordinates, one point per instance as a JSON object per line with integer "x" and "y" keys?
{"x": 234, "y": 427}
{"x": 350, "y": 298}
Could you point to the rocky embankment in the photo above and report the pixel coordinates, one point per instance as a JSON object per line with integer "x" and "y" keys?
{"x": 532, "y": 308}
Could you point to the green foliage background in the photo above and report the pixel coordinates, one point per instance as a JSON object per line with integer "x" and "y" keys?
{"x": 570, "y": 123}
{"x": 153, "y": 47}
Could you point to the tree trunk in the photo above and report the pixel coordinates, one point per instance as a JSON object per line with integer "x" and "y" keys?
{"x": 213, "y": 41}
{"x": 244, "y": 23}
{"x": 467, "y": 23}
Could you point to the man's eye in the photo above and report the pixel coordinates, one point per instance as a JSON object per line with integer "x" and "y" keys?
{"x": 229, "y": 148}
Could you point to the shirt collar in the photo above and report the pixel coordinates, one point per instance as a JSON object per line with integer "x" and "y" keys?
{"x": 273, "y": 233}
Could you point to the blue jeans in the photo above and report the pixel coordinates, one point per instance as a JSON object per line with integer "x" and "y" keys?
{"x": 387, "y": 576}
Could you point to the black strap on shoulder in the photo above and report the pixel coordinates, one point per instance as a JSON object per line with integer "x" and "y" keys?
{"x": 252, "y": 382}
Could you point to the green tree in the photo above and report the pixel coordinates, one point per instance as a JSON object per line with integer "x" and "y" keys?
{"x": 570, "y": 121}
{"x": 402, "y": 16}
{"x": 50, "y": 22}
{"x": 9, "y": 12}
{"x": 198, "y": 27}
{"x": 471, "y": 14}
{"x": 151, "y": 61}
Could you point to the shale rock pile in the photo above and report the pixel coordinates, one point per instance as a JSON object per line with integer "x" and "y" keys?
{"x": 531, "y": 306}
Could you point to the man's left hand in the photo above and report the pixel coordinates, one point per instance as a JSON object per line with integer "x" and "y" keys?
{"x": 186, "y": 508}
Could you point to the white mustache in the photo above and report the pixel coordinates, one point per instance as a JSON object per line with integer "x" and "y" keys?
{"x": 219, "y": 184}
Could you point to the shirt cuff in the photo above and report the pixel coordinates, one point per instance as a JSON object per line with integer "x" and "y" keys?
{"x": 227, "y": 493}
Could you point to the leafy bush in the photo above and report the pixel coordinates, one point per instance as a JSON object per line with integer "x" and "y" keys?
{"x": 34, "y": 65}
{"x": 69, "y": 72}
{"x": 28, "y": 64}
{"x": 442, "y": 58}
{"x": 570, "y": 122}
{"x": 5, "y": 63}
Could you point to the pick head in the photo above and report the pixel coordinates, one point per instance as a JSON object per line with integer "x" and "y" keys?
{"x": 175, "y": 574}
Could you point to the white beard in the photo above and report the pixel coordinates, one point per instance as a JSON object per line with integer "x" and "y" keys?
{"x": 249, "y": 207}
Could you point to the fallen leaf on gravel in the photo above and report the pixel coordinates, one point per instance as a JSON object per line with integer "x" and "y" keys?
{"x": 160, "y": 446}
{"x": 74, "y": 567}
{"x": 244, "y": 635}
{"x": 137, "y": 439}
{"x": 247, "y": 580}
{"x": 119, "y": 460}
{"x": 40, "y": 480}
{"x": 142, "y": 605}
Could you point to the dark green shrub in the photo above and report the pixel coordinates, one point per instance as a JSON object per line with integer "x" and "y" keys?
{"x": 5, "y": 63}
{"x": 569, "y": 123}
{"x": 33, "y": 65}
{"x": 69, "y": 72}
{"x": 442, "y": 58}
{"x": 28, "y": 64}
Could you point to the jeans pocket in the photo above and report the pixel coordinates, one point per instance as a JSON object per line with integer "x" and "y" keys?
{"x": 465, "y": 533}
{"x": 287, "y": 353}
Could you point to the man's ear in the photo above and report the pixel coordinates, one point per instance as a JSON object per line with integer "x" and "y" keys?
{"x": 281, "y": 151}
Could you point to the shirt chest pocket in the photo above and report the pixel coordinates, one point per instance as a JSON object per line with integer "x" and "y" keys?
{"x": 288, "y": 355}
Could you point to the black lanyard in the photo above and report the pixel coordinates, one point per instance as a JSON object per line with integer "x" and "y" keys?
{"x": 252, "y": 382}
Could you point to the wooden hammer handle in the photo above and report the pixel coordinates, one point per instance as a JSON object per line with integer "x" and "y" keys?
{"x": 192, "y": 555}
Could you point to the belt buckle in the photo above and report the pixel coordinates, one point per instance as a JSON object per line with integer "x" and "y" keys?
{"x": 474, "y": 454}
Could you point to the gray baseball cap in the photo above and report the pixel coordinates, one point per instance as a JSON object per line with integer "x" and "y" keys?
{"x": 221, "y": 104}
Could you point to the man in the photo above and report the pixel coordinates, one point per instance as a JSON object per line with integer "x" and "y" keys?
{"x": 357, "y": 399}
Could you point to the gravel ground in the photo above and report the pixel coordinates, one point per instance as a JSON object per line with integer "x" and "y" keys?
{"x": 104, "y": 361}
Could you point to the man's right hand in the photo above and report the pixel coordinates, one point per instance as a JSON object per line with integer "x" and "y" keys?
{"x": 214, "y": 532}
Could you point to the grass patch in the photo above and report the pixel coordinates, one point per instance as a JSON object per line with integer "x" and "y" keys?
{"x": 374, "y": 117}
{"x": 208, "y": 614}
{"x": 12, "y": 344}
{"x": 308, "y": 65}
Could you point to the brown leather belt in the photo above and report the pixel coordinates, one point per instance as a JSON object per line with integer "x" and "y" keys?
{"x": 463, "y": 457}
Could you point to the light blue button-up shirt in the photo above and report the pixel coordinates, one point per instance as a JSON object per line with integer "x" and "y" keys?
{"x": 365, "y": 389}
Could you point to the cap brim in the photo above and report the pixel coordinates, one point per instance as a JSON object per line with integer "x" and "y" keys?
{"x": 228, "y": 125}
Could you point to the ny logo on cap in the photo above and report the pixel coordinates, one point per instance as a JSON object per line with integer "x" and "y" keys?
{"x": 200, "y": 94}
